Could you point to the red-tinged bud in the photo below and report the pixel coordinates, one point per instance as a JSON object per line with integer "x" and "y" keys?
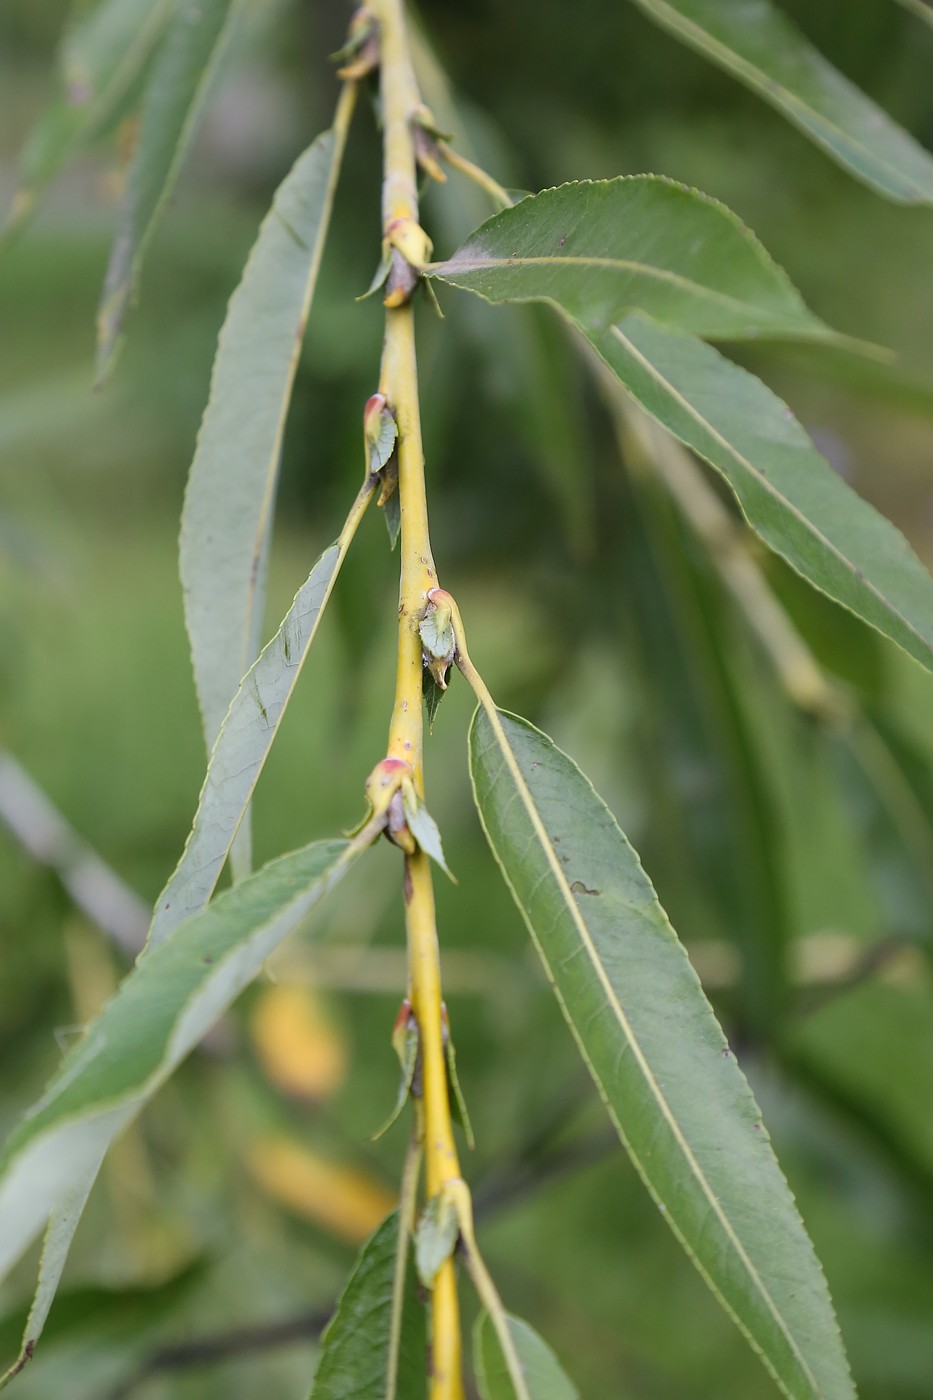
{"x": 372, "y": 414}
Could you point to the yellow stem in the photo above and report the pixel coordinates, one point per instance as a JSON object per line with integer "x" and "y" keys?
{"x": 399, "y": 383}
{"x": 499, "y": 196}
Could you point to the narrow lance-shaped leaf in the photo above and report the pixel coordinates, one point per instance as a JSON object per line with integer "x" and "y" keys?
{"x": 178, "y": 85}
{"x": 356, "y": 1361}
{"x": 163, "y": 1008}
{"x": 541, "y": 1371}
{"x": 602, "y": 248}
{"x": 228, "y": 507}
{"x": 788, "y": 492}
{"x": 58, "y": 1236}
{"x": 244, "y": 741}
{"x": 756, "y": 42}
{"x": 660, "y": 1061}
{"x": 103, "y": 52}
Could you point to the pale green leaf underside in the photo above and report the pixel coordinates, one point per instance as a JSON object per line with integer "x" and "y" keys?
{"x": 102, "y": 55}
{"x": 162, "y": 1009}
{"x": 231, "y": 487}
{"x": 172, "y": 104}
{"x": 58, "y": 1237}
{"x": 242, "y": 746}
{"x": 603, "y": 248}
{"x": 659, "y": 1059}
{"x": 541, "y": 1370}
{"x": 764, "y": 49}
{"x": 788, "y": 492}
{"x": 355, "y": 1355}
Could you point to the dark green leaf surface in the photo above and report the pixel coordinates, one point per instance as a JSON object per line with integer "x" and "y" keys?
{"x": 541, "y": 1371}
{"x": 602, "y": 248}
{"x": 669, "y": 1081}
{"x": 102, "y": 54}
{"x": 231, "y": 487}
{"x": 355, "y": 1359}
{"x": 172, "y": 104}
{"x": 756, "y": 42}
{"x": 167, "y": 1003}
{"x": 788, "y": 492}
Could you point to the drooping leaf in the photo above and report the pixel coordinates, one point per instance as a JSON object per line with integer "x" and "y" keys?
{"x": 178, "y": 86}
{"x": 356, "y": 1362}
{"x": 58, "y": 1236}
{"x": 603, "y": 248}
{"x": 756, "y": 42}
{"x": 103, "y": 51}
{"x": 244, "y": 741}
{"x": 668, "y": 1079}
{"x": 167, "y": 1003}
{"x": 542, "y": 1373}
{"x": 788, "y": 492}
{"x": 228, "y": 507}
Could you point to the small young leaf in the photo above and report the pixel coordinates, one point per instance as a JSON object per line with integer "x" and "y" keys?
{"x": 356, "y": 1356}
{"x": 162, "y": 1009}
{"x": 424, "y": 829}
{"x": 671, "y": 1085}
{"x": 601, "y": 249}
{"x": 541, "y": 1371}
{"x": 756, "y": 42}
{"x": 436, "y": 1236}
{"x": 789, "y": 494}
{"x": 458, "y": 1108}
{"x": 405, "y": 1043}
{"x": 182, "y": 75}
{"x": 392, "y": 515}
{"x": 433, "y": 695}
{"x": 437, "y": 633}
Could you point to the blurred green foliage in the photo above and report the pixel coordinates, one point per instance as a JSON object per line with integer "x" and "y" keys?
{"x": 755, "y": 828}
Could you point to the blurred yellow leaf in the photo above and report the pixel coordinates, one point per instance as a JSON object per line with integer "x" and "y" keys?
{"x": 297, "y": 1044}
{"x": 341, "y": 1199}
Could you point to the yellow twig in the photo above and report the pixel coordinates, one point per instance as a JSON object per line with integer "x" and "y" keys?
{"x": 399, "y": 383}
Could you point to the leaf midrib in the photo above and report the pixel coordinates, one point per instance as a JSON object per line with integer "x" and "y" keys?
{"x": 648, "y": 270}
{"x": 538, "y": 828}
{"x": 772, "y": 491}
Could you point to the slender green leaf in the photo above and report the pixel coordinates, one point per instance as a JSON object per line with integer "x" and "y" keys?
{"x": 231, "y": 488}
{"x": 60, "y": 1232}
{"x": 102, "y": 54}
{"x": 603, "y": 248}
{"x": 167, "y": 1003}
{"x": 755, "y": 41}
{"x": 789, "y": 494}
{"x": 355, "y": 1361}
{"x": 541, "y": 1370}
{"x": 244, "y": 741}
{"x": 175, "y": 95}
{"x": 660, "y": 1061}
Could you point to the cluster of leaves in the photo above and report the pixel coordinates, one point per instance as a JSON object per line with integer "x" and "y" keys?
{"x": 645, "y": 272}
